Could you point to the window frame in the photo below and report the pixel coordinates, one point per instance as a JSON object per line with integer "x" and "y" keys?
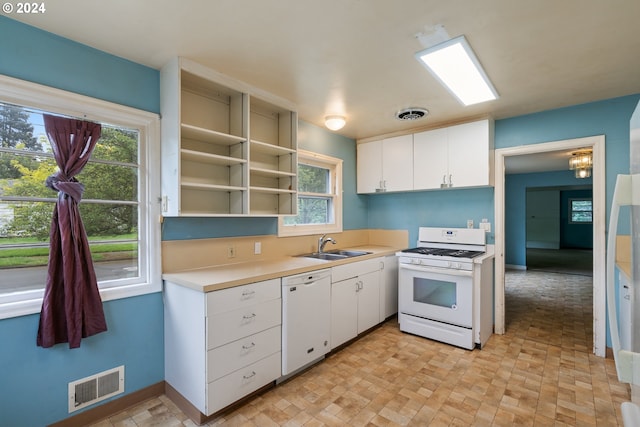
{"x": 57, "y": 101}
{"x": 580, "y": 199}
{"x": 334, "y": 165}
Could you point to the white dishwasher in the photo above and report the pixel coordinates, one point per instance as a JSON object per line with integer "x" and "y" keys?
{"x": 306, "y": 319}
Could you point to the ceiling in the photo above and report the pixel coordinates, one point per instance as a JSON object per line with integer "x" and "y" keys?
{"x": 356, "y": 57}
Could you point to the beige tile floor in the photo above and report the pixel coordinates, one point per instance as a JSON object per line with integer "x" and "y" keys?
{"x": 540, "y": 373}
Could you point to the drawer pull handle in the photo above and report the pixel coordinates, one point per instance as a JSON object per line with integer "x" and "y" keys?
{"x": 248, "y": 347}
{"x": 247, "y": 377}
{"x": 248, "y": 294}
{"x": 249, "y": 317}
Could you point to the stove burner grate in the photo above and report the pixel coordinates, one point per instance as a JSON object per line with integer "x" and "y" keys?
{"x": 456, "y": 253}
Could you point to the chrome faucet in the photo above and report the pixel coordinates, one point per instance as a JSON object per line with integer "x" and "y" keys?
{"x": 323, "y": 241}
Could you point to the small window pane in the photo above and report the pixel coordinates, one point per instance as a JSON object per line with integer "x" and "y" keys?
{"x": 311, "y": 210}
{"x": 581, "y": 211}
{"x": 25, "y": 222}
{"x": 312, "y": 179}
{"x": 123, "y": 182}
{"x": 24, "y": 242}
{"x": 117, "y": 145}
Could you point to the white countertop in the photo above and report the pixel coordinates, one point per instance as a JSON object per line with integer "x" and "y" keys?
{"x": 218, "y": 277}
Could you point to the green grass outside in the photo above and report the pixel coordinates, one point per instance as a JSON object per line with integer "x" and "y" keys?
{"x": 31, "y": 257}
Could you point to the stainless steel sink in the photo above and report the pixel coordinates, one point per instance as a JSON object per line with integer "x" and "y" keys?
{"x": 325, "y": 256}
{"x": 335, "y": 254}
{"x": 348, "y": 253}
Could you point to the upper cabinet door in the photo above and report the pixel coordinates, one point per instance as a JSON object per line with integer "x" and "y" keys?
{"x": 369, "y": 167}
{"x": 430, "y": 159}
{"x": 397, "y": 164}
{"x": 469, "y": 154}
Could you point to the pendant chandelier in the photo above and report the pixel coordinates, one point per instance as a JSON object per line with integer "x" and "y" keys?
{"x": 581, "y": 162}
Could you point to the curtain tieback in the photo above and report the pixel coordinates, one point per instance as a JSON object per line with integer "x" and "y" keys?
{"x": 70, "y": 187}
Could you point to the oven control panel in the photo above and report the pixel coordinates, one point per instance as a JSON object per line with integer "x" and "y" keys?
{"x": 444, "y": 264}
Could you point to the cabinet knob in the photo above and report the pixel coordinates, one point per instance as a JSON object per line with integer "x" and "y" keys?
{"x": 251, "y": 375}
{"x": 249, "y": 316}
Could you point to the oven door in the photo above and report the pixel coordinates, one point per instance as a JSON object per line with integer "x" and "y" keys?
{"x": 443, "y": 295}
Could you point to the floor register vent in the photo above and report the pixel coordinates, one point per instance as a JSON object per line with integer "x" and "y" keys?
{"x": 93, "y": 389}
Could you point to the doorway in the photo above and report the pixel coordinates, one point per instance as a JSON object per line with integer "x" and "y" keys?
{"x": 558, "y": 226}
{"x": 596, "y": 143}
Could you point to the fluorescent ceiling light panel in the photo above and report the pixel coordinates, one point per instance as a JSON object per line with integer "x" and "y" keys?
{"x": 456, "y": 66}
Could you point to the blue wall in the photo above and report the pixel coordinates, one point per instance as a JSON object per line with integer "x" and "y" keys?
{"x": 438, "y": 208}
{"x": 34, "y": 380}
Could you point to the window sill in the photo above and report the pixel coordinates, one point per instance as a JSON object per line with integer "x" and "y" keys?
{"x": 307, "y": 230}
{"x": 32, "y": 306}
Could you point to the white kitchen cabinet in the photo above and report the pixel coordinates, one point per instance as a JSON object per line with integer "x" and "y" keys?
{"x": 223, "y": 345}
{"x": 369, "y": 167}
{"x": 368, "y": 301}
{"x": 385, "y": 165}
{"x": 430, "y": 158}
{"x": 344, "y": 311}
{"x": 388, "y": 287}
{"x": 227, "y": 149}
{"x": 454, "y": 157}
{"x": 355, "y": 299}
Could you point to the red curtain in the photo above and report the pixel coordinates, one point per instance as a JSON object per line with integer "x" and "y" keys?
{"x": 71, "y": 307}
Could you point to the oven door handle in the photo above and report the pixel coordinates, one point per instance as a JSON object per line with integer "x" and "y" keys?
{"x": 449, "y": 271}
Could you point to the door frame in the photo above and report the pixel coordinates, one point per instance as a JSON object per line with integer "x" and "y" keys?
{"x": 597, "y": 143}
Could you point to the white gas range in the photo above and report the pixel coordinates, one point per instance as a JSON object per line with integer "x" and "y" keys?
{"x": 445, "y": 286}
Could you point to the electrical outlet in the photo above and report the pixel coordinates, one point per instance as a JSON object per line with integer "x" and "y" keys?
{"x": 257, "y": 248}
{"x": 231, "y": 252}
{"x": 469, "y": 223}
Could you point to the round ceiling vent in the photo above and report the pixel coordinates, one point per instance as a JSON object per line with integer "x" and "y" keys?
{"x": 409, "y": 114}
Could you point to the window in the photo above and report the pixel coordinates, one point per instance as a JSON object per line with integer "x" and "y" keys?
{"x": 319, "y": 197}
{"x": 580, "y": 211}
{"x": 117, "y": 207}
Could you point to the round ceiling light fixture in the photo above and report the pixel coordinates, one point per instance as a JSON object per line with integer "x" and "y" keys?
{"x": 334, "y": 122}
{"x": 411, "y": 114}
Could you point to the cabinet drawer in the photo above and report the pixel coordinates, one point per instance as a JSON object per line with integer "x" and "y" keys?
{"x": 228, "y": 389}
{"x": 233, "y": 356}
{"x": 242, "y": 296}
{"x": 354, "y": 269}
{"x": 230, "y": 326}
